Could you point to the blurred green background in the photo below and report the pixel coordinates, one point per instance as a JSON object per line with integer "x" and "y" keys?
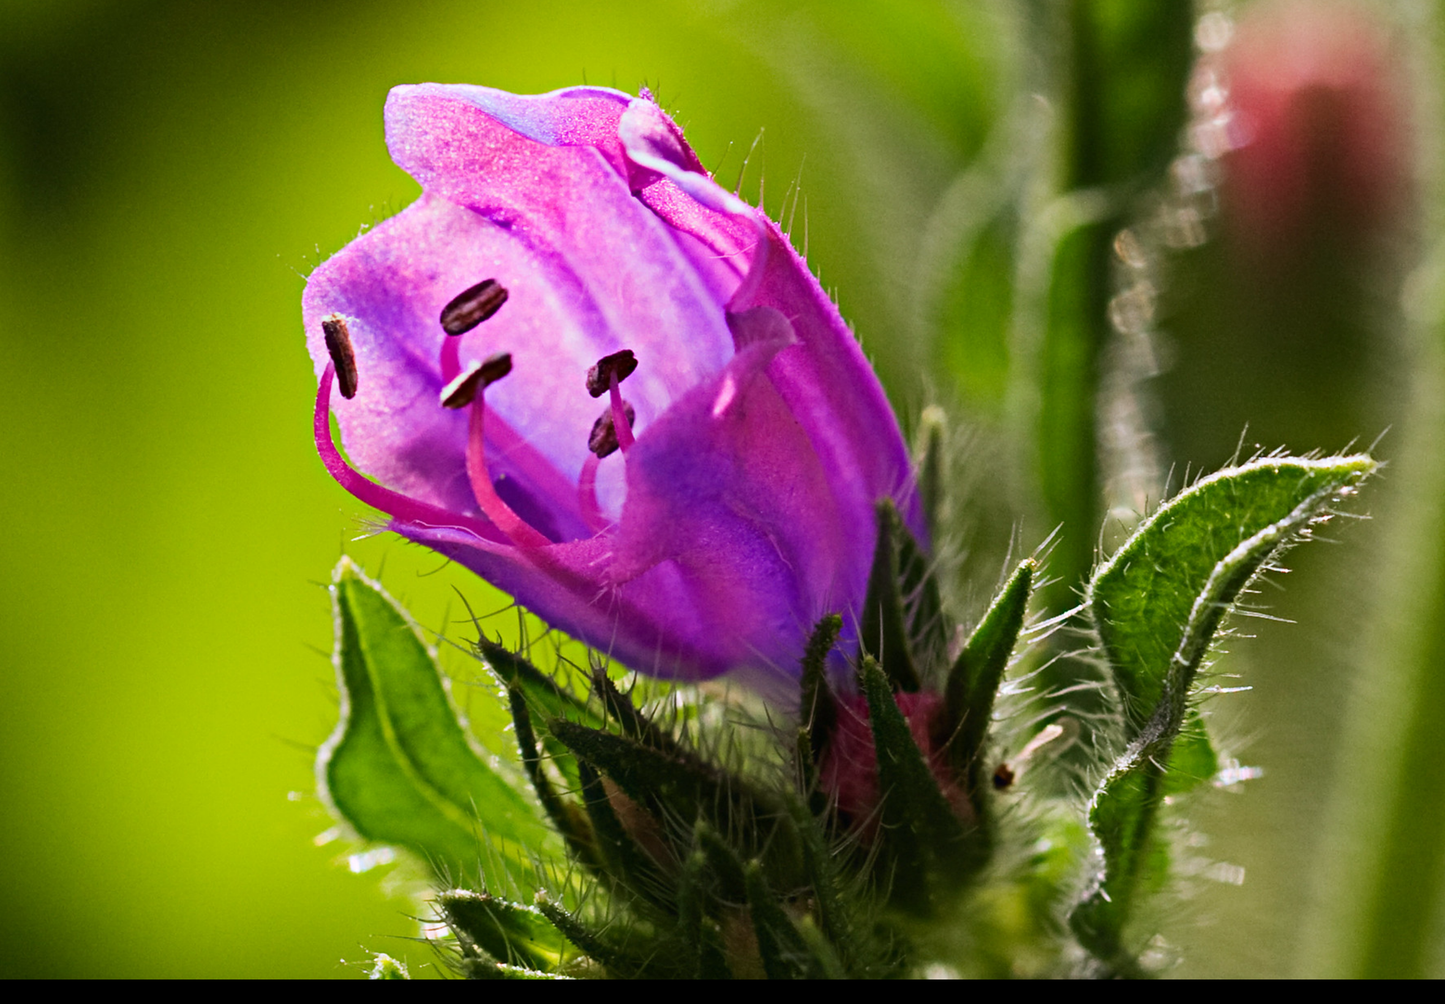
{"x": 169, "y": 172}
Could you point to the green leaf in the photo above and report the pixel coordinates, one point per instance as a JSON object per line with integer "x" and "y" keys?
{"x": 507, "y": 932}
{"x": 1193, "y": 760}
{"x": 1157, "y": 601}
{"x": 883, "y": 631}
{"x": 400, "y": 767}
{"x": 1122, "y": 818}
{"x": 974, "y": 680}
{"x": 1157, "y": 604}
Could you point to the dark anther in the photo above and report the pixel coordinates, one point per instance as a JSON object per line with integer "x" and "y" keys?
{"x": 603, "y": 440}
{"x": 343, "y": 357}
{"x": 599, "y": 377}
{"x": 1003, "y": 777}
{"x": 473, "y": 306}
{"x": 463, "y": 390}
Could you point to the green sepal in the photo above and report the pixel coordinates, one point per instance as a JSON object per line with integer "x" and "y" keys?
{"x": 932, "y": 465}
{"x": 722, "y": 861}
{"x": 619, "y": 962}
{"x": 821, "y": 866}
{"x": 883, "y": 628}
{"x": 784, "y": 953}
{"x": 974, "y": 680}
{"x": 922, "y": 605}
{"x": 543, "y": 695}
{"x": 384, "y": 967}
{"x": 570, "y": 820}
{"x": 818, "y": 711}
{"x": 634, "y": 723}
{"x": 924, "y": 840}
{"x": 545, "y": 699}
{"x": 825, "y": 963}
{"x": 506, "y": 932}
{"x": 400, "y": 767}
{"x": 694, "y": 893}
{"x": 626, "y": 862}
{"x": 673, "y": 787}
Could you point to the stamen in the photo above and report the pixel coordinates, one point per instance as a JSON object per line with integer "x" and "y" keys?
{"x": 400, "y": 507}
{"x": 462, "y": 390}
{"x": 619, "y": 365}
{"x": 467, "y": 389}
{"x": 592, "y": 513}
{"x": 343, "y": 356}
{"x": 622, "y": 415}
{"x": 451, "y": 358}
{"x": 604, "y": 439}
{"x": 473, "y": 306}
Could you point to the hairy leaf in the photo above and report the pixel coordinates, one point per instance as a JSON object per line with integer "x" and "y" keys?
{"x": 1157, "y": 604}
{"x": 1158, "y": 600}
{"x": 400, "y": 767}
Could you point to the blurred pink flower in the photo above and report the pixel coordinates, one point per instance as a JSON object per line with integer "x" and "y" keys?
{"x": 1319, "y": 119}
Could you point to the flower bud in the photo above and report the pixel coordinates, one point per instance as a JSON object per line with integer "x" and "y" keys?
{"x": 1317, "y": 128}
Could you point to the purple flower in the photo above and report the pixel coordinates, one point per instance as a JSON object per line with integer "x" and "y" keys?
{"x": 696, "y": 519}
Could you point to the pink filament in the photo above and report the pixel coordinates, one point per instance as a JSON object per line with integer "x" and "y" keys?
{"x": 620, "y": 424}
{"x": 394, "y": 504}
{"x": 450, "y": 361}
{"x": 587, "y": 495}
{"x": 521, "y": 533}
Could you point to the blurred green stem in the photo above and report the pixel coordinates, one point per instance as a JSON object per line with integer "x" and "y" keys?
{"x": 1382, "y": 874}
{"x": 1120, "y": 88}
{"x": 1076, "y": 333}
